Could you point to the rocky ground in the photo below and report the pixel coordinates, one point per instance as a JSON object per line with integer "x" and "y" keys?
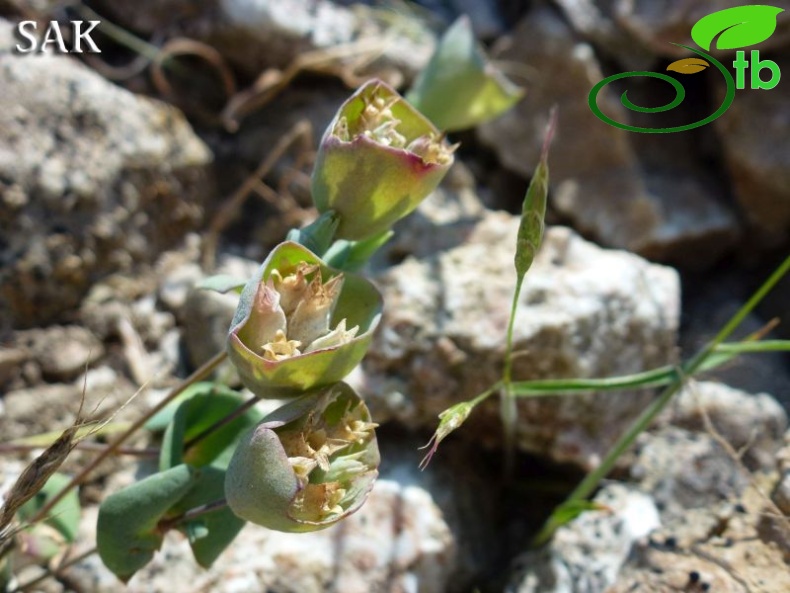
{"x": 114, "y": 202}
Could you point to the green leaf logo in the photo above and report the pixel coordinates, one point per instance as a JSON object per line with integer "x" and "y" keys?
{"x": 736, "y": 27}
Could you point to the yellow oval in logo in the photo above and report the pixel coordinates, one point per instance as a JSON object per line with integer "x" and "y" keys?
{"x": 688, "y": 65}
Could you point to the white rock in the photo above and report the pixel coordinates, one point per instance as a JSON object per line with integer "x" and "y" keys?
{"x": 584, "y": 312}
{"x": 586, "y": 555}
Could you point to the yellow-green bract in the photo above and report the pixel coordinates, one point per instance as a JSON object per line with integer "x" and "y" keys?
{"x": 378, "y": 159}
{"x": 301, "y": 325}
{"x": 460, "y": 88}
{"x": 307, "y": 465}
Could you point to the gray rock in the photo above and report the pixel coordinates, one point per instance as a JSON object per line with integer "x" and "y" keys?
{"x": 596, "y": 175}
{"x": 584, "y": 312}
{"x": 283, "y": 30}
{"x": 39, "y": 409}
{"x": 206, "y": 314}
{"x": 753, "y": 135}
{"x": 94, "y": 180}
{"x": 11, "y": 359}
{"x": 781, "y": 494}
{"x": 596, "y": 20}
{"x": 724, "y": 547}
{"x": 685, "y": 470}
{"x": 750, "y": 423}
{"x": 62, "y": 352}
{"x": 445, "y": 219}
{"x": 586, "y": 555}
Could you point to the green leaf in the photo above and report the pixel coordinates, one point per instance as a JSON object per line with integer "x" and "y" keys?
{"x": 127, "y": 533}
{"x": 318, "y": 235}
{"x": 737, "y": 27}
{"x": 564, "y": 514}
{"x": 64, "y": 516}
{"x": 211, "y": 533}
{"x": 196, "y": 415}
{"x": 164, "y": 417}
{"x": 350, "y": 256}
{"x": 222, "y": 283}
{"x": 459, "y": 88}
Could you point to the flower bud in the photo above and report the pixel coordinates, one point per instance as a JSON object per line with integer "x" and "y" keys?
{"x": 300, "y": 324}
{"x": 378, "y": 159}
{"x": 307, "y": 465}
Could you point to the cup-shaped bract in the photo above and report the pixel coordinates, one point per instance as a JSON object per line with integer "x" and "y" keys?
{"x": 378, "y": 159}
{"x": 300, "y": 324}
{"x": 459, "y": 88}
{"x": 307, "y": 465}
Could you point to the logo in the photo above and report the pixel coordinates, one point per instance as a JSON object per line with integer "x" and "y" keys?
{"x": 732, "y": 28}
{"x": 53, "y": 36}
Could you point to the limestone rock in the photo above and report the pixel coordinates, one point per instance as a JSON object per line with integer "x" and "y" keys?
{"x": 586, "y": 556}
{"x": 584, "y": 312}
{"x": 685, "y": 470}
{"x": 752, "y": 423}
{"x": 62, "y": 352}
{"x": 731, "y": 548}
{"x": 206, "y": 315}
{"x": 94, "y": 180}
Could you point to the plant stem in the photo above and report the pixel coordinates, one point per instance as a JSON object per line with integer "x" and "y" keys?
{"x": 85, "y": 446}
{"x": 591, "y": 480}
{"x": 120, "y": 35}
{"x": 198, "y": 375}
{"x": 508, "y": 409}
{"x": 506, "y": 373}
{"x": 53, "y": 572}
{"x": 209, "y": 507}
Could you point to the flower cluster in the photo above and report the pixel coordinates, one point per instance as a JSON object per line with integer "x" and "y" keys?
{"x": 302, "y": 325}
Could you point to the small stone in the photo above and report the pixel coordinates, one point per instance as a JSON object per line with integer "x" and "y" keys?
{"x": 206, "y": 314}
{"x": 175, "y": 286}
{"x": 62, "y": 352}
{"x": 685, "y": 470}
{"x": 11, "y": 359}
{"x": 750, "y": 423}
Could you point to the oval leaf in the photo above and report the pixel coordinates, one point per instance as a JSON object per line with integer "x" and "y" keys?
{"x": 127, "y": 533}
{"x": 737, "y": 27}
{"x": 688, "y": 65}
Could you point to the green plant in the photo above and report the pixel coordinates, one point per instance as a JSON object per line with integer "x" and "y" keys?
{"x": 304, "y": 321}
